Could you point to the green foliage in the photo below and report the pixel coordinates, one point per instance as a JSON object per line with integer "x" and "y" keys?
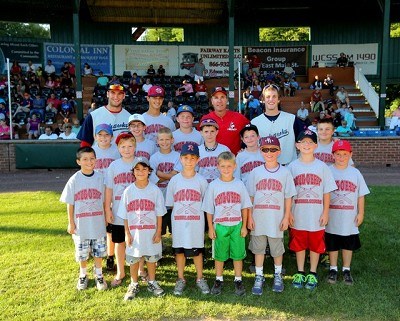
{"x": 23, "y": 30}
{"x": 285, "y": 34}
{"x": 164, "y": 34}
{"x": 395, "y": 30}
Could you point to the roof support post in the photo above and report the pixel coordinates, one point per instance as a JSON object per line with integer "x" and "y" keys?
{"x": 77, "y": 48}
{"x": 384, "y": 62}
{"x": 231, "y": 40}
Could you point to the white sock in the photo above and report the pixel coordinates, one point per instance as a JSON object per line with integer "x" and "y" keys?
{"x": 99, "y": 272}
{"x": 345, "y": 268}
{"x": 151, "y": 282}
{"x": 278, "y": 269}
{"x": 238, "y": 278}
{"x": 220, "y": 278}
{"x": 82, "y": 272}
{"x": 260, "y": 270}
{"x": 333, "y": 267}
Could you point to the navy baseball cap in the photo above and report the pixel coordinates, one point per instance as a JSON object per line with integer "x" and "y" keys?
{"x": 190, "y": 149}
{"x": 307, "y": 134}
{"x": 248, "y": 127}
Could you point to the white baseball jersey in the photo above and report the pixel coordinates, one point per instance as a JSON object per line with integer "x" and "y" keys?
{"x": 185, "y": 195}
{"x": 145, "y": 148}
{"x": 153, "y": 125}
{"x": 141, "y": 206}
{"x": 324, "y": 153}
{"x": 165, "y": 163}
{"x": 225, "y": 201}
{"x": 312, "y": 181}
{"x": 207, "y": 164}
{"x": 269, "y": 191}
{"x": 343, "y": 208}
{"x": 86, "y": 194}
{"x": 245, "y": 162}
{"x": 181, "y": 138}
{"x": 281, "y": 128}
{"x": 104, "y": 157}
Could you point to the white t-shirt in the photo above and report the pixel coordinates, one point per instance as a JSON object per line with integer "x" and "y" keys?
{"x": 153, "y": 125}
{"x": 104, "y": 157}
{"x": 269, "y": 191}
{"x": 86, "y": 194}
{"x": 245, "y": 162}
{"x": 225, "y": 201}
{"x": 181, "y": 138}
{"x": 185, "y": 195}
{"x": 145, "y": 148}
{"x": 312, "y": 181}
{"x": 44, "y": 136}
{"x": 141, "y": 206}
{"x": 343, "y": 208}
{"x": 207, "y": 164}
{"x": 70, "y": 136}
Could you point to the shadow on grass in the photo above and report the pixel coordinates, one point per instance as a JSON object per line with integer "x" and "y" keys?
{"x": 33, "y": 230}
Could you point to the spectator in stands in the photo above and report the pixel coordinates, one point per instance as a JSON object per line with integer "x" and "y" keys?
{"x": 87, "y": 70}
{"x": 147, "y": 86}
{"x": 316, "y": 84}
{"x": 26, "y": 104}
{"x": 33, "y": 127}
{"x": 4, "y": 128}
{"x": 328, "y": 84}
{"x": 57, "y": 82}
{"x": 247, "y": 81}
{"x": 245, "y": 65}
{"x": 302, "y": 114}
{"x": 342, "y": 60}
{"x": 67, "y": 134}
{"x": 246, "y": 97}
{"x": 342, "y": 98}
{"x": 286, "y": 88}
{"x": 151, "y": 72}
{"x": 30, "y": 68}
{"x": 39, "y": 106}
{"x": 171, "y": 112}
{"x": 59, "y": 129}
{"x": 49, "y": 69}
{"x": 294, "y": 86}
{"x": 254, "y": 107}
{"x": 185, "y": 90}
{"x": 34, "y": 81}
{"x": 199, "y": 69}
{"x": 65, "y": 79}
{"x": 65, "y": 108}
{"x": 344, "y": 130}
{"x": 200, "y": 88}
{"x": 48, "y": 133}
{"x": 21, "y": 87}
{"x": 316, "y": 102}
{"x": 255, "y": 64}
{"x": 49, "y": 82}
{"x": 288, "y": 71}
{"x": 102, "y": 80}
{"x": 256, "y": 89}
{"x": 39, "y": 75}
{"x": 313, "y": 126}
{"x": 92, "y": 108}
{"x": 336, "y": 119}
{"x": 350, "y": 118}
{"x": 51, "y": 109}
{"x": 161, "y": 71}
{"x": 315, "y": 65}
{"x": 136, "y": 78}
{"x": 16, "y": 69}
{"x": 71, "y": 71}
{"x": 134, "y": 88}
{"x": 56, "y": 103}
{"x": 76, "y": 126}
{"x": 65, "y": 67}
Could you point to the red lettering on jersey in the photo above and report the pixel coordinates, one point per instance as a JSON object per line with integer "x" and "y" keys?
{"x": 347, "y": 186}
{"x": 187, "y": 195}
{"x": 140, "y": 205}
{"x": 270, "y": 184}
{"x": 248, "y": 167}
{"x": 103, "y": 163}
{"x": 142, "y": 153}
{"x": 87, "y": 194}
{"x": 153, "y": 128}
{"x": 165, "y": 167}
{"x": 124, "y": 178}
{"x": 325, "y": 157}
{"x": 307, "y": 179}
{"x": 227, "y": 198}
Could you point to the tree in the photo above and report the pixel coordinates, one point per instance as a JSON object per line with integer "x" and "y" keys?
{"x": 285, "y": 34}
{"x": 395, "y": 30}
{"x": 164, "y": 34}
{"x": 23, "y": 30}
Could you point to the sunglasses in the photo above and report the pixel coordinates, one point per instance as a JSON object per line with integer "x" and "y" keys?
{"x": 116, "y": 87}
{"x": 273, "y": 86}
{"x": 68, "y": 126}
{"x": 271, "y": 149}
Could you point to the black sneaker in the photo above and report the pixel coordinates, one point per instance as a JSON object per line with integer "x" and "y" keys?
{"x": 347, "y": 278}
{"x": 217, "y": 287}
{"x": 332, "y": 277}
{"x": 110, "y": 263}
{"x": 239, "y": 288}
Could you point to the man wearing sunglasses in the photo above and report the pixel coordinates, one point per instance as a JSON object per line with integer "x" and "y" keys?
{"x": 112, "y": 114}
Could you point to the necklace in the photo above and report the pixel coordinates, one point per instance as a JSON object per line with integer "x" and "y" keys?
{"x": 212, "y": 148}
{"x": 273, "y": 171}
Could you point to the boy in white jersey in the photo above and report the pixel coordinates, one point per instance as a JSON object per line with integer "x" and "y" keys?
{"x": 84, "y": 195}
{"x": 106, "y": 153}
{"x": 314, "y": 182}
{"x": 185, "y": 194}
{"x": 346, "y": 212}
{"x": 271, "y": 189}
{"x": 141, "y": 208}
{"x": 144, "y": 146}
{"x": 186, "y": 133}
{"x": 210, "y": 150}
{"x": 227, "y": 203}
{"x": 250, "y": 157}
{"x": 166, "y": 164}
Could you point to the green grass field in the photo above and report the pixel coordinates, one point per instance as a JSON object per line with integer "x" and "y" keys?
{"x": 38, "y": 275}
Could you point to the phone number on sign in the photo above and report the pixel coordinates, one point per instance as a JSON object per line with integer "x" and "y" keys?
{"x": 219, "y": 64}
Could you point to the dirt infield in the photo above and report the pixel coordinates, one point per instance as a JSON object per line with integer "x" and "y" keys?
{"x": 54, "y": 180}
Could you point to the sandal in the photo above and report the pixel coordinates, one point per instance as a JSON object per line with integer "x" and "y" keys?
{"x": 116, "y": 282}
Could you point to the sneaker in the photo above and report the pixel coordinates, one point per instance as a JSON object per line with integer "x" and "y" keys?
{"x": 110, "y": 263}
{"x": 239, "y": 288}
{"x": 278, "y": 285}
{"x": 155, "y": 288}
{"x": 217, "y": 287}
{"x": 82, "y": 283}
{"x": 347, "y": 278}
{"x": 257, "y": 288}
{"x": 179, "y": 286}
{"x": 311, "y": 282}
{"x": 332, "y": 277}
{"x": 203, "y": 286}
{"x": 100, "y": 283}
{"x": 298, "y": 280}
{"x": 324, "y": 261}
{"x": 132, "y": 291}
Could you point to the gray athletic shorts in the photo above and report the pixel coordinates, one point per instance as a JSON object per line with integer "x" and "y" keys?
{"x": 148, "y": 258}
{"x": 258, "y": 245}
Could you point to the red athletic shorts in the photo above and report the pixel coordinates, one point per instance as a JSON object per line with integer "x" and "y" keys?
{"x": 305, "y": 240}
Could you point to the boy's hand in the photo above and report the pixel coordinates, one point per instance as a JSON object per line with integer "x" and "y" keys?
{"x": 243, "y": 231}
{"x": 291, "y": 219}
{"x": 284, "y": 224}
{"x": 359, "y": 219}
{"x": 71, "y": 228}
{"x": 323, "y": 220}
{"x": 128, "y": 239}
{"x": 250, "y": 223}
{"x": 109, "y": 216}
{"x": 157, "y": 237}
{"x": 211, "y": 233}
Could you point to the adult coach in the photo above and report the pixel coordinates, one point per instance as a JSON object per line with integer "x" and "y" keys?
{"x": 112, "y": 114}
{"x": 230, "y": 122}
{"x": 278, "y": 124}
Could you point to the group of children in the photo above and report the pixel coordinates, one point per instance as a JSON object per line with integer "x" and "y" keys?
{"x": 204, "y": 187}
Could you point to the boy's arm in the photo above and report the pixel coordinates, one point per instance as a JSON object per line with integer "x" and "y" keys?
{"x": 128, "y": 236}
{"x": 245, "y": 212}
{"x": 250, "y": 221}
{"x": 71, "y": 222}
{"x": 361, "y": 208}
{"x": 157, "y": 234}
{"x": 325, "y": 213}
{"x": 107, "y": 205}
{"x": 166, "y": 176}
{"x": 211, "y": 230}
{"x": 286, "y": 216}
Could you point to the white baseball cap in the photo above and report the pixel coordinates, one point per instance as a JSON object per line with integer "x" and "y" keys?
{"x": 136, "y": 117}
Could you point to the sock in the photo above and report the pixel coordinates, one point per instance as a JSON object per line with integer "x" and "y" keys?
{"x": 313, "y": 273}
{"x": 332, "y": 267}
{"x": 259, "y": 270}
{"x": 99, "y": 272}
{"x": 278, "y": 269}
{"x": 82, "y": 272}
{"x": 301, "y": 272}
{"x": 238, "y": 278}
{"x": 111, "y": 256}
{"x": 220, "y": 278}
{"x": 345, "y": 268}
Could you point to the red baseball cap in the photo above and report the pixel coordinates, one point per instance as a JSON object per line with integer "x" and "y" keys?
{"x": 270, "y": 140}
{"x": 123, "y": 135}
{"x": 341, "y": 145}
{"x": 219, "y": 89}
{"x": 156, "y": 91}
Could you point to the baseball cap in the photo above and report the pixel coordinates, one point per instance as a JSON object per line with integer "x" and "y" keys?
{"x": 115, "y": 85}
{"x": 123, "y": 135}
{"x": 341, "y": 145}
{"x": 307, "y": 134}
{"x": 184, "y": 108}
{"x": 248, "y": 127}
{"x": 141, "y": 160}
{"x": 136, "y": 117}
{"x": 106, "y": 127}
{"x": 219, "y": 89}
{"x": 190, "y": 149}
{"x": 270, "y": 140}
{"x": 156, "y": 91}
{"x": 209, "y": 122}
